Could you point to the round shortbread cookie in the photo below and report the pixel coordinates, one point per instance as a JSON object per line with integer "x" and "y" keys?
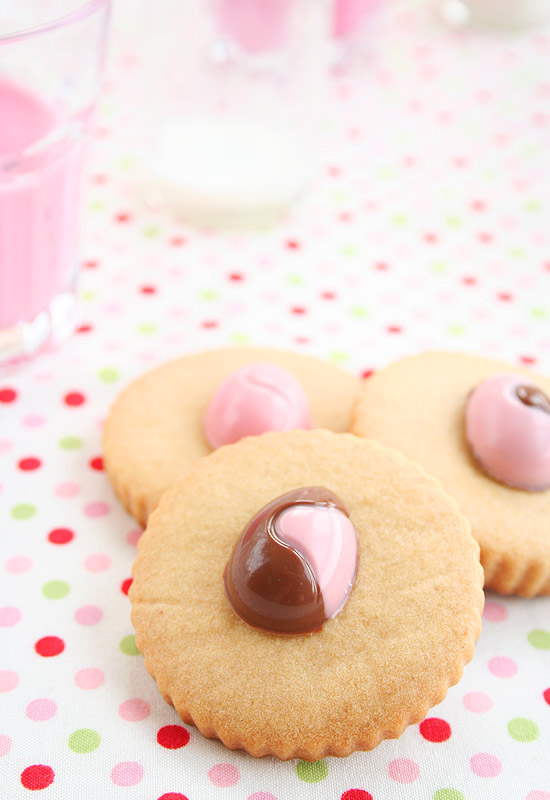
{"x": 154, "y": 431}
{"x": 404, "y": 636}
{"x": 417, "y": 406}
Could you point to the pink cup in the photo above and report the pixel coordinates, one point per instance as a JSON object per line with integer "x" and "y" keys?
{"x": 45, "y": 121}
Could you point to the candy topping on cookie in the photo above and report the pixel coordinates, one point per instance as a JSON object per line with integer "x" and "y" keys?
{"x": 508, "y": 431}
{"x": 294, "y": 564}
{"x": 256, "y": 398}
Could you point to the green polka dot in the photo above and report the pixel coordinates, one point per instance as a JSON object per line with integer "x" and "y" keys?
{"x": 539, "y": 639}
{"x": 539, "y": 313}
{"x": 386, "y": 173}
{"x": 312, "y": 772}
{"x": 23, "y": 511}
{"x": 54, "y": 590}
{"x": 96, "y": 205}
{"x": 339, "y": 356}
{"x": 151, "y": 231}
{"x": 448, "y": 794}
{"x": 128, "y": 645}
{"x": 517, "y": 252}
{"x": 349, "y": 250}
{"x": 340, "y": 197}
{"x": 400, "y": 220}
{"x": 240, "y": 337}
{"x": 126, "y": 163}
{"x": 70, "y": 442}
{"x": 88, "y": 294}
{"x": 454, "y": 222}
{"x": 209, "y": 294}
{"x": 295, "y": 280}
{"x": 84, "y": 740}
{"x": 360, "y": 312}
{"x": 533, "y": 206}
{"x": 147, "y": 327}
{"x": 438, "y": 267}
{"x": 456, "y": 330}
{"x": 523, "y": 730}
{"x": 109, "y": 374}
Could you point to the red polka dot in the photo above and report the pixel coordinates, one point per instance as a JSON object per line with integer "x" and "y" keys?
{"x": 345, "y": 216}
{"x": 60, "y": 535}
{"x": 177, "y": 241}
{"x": 125, "y": 585}
{"x": 209, "y": 323}
{"x": 292, "y": 244}
{"x": 381, "y": 266}
{"x": 91, "y": 264}
{"x": 236, "y": 277}
{"x": 394, "y": 329}
{"x": 478, "y": 205}
{"x": 7, "y": 395}
{"x": 301, "y": 339}
{"x": 28, "y": 464}
{"x": 485, "y": 238}
{"x": 97, "y": 463}
{"x": 49, "y": 646}
{"x": 546, "y": 695}
{"x": 334, "y": 171}
{"x": 148, "y": 289}
{"x": 84, "y": 328}
{"x": 328, "y": 295}
{"x": 435, "y": 730}
{"x": 505, "y": 297}
{"x": 356, "y": 794}
{"x": 469, "y": 280}
{"x": 528, "y": 360}
{"x": 123, "y": 216}
{"x": 297, "y": 310}
{"x": 39, "y": 776}
{"x": 74, "y": 399}
{"x": 173, "y": 736}
{"x": 172, "y": 796}
{"x": 367, "y": 373}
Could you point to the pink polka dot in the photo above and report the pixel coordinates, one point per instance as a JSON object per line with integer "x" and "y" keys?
{"x": 91, "y": 678}
{"x": 262, "y": 796}
{"x": 133, "y": 536}
{"x": 98, "y": 509}
{"x": 538, "y": 795}
{"x": 5, "y": 745}
{"x": 134, "y": 710}
{"x": 9, "y": 616}
{"x": 478, "y": 702}
{"x": 502, "y": 667}
{"x": 33, "y": 420}
{"x": 8, "y": 680}
{"x": 403, "y": 770}
{"x": 18, "y": 564}
{"x": 127, "y": 773}
{"x": 41, "y": 709}
{"x": 67, "y": 489}
{"x": 5, "y": 445}
{"x": 98, "y": 562}
{"x": 224, "y": 775}
{"x": 495, "y": 612}
{"x": 485, "y": 765}
{"x": 88, "y": 615}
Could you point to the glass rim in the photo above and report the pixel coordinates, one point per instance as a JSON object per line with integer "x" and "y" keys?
{"x": 84, "y": 10}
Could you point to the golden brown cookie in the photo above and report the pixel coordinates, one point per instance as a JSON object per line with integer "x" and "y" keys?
{"x": 403, "y": 637}
{"x": 417, "y": 406}
{"x": 154, "y": 431}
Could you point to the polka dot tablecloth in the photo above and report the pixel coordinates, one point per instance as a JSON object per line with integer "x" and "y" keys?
{"x": 428, "y": 226}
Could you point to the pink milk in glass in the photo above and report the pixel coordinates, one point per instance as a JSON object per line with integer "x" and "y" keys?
{"x": 51, "y": 62}
{"x": 38, "y": 207}
{"x": 348, "y": 16}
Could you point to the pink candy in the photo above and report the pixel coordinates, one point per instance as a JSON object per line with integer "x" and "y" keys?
{"x": 254, "y": 399}
{"x": 508, "y": 436}
{"x": 327, "y": 540}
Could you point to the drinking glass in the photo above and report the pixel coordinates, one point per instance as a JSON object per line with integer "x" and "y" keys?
{"x": 51, "y": 59}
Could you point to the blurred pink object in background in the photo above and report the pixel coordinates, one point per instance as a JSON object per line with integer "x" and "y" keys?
{"x": 349, "y": 15}
{"x": 255, "y": 26}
